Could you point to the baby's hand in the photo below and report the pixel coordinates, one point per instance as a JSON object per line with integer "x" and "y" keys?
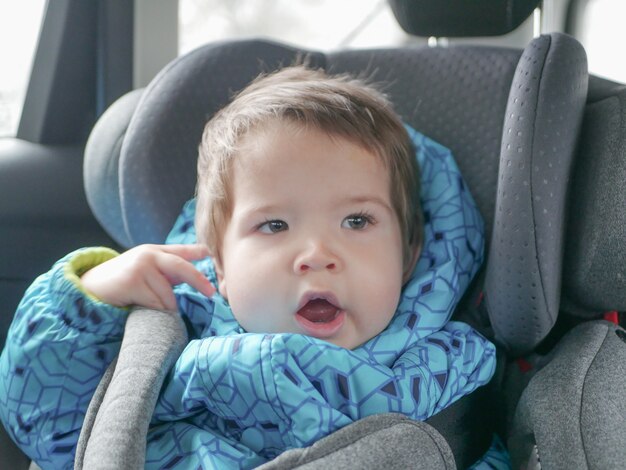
{"x": 144, "y": 276}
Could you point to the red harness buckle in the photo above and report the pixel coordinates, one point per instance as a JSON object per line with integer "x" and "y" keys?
{"x": 612, "y": 316}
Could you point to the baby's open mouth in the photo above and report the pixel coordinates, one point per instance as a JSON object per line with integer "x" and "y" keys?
{"x": 319, "y": 311}
{"x": 320, "y": 317}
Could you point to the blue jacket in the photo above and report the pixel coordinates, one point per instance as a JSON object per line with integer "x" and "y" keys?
{"x": 236, "y": 399}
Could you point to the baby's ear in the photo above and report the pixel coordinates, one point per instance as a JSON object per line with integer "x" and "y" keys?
{"x": 416, "y": 250}
{"x": 221, "y": 279}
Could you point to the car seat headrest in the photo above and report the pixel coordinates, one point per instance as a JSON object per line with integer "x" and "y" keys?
{"x": 450, "y": 18}
{"x": 594, "y": 275}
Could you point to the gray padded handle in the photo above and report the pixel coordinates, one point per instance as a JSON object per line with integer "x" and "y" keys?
{"x": 116, "y": 425}
{"x": 387, "y": 441}
{"x": 573, "y": 412}
{"x": 542, "y": 122}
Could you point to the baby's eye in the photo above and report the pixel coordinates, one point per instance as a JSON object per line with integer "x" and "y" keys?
{"x": 357, "y": 221}
{"x": 273, "y": 226}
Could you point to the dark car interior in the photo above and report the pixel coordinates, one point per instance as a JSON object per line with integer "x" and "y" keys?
{"x": 539, "y": 140}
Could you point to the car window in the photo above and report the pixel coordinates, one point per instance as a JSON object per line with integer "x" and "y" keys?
{"x": 315, "y": 24}
{"x": 599, "y": 26}
{"x": 20, "y": 23}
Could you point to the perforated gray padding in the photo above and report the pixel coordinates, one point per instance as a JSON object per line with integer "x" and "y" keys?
{"x": 159, "y": 153}
{"x": 595, "y": 258}
{"x": 101, "y": 165}
{"x": 573, "y": 409}
{"x": 455, "y": 95}
{"x": 522, "y": 286}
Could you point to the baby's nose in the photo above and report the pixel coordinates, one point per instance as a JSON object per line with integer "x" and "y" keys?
{"x": 316, "y": 257}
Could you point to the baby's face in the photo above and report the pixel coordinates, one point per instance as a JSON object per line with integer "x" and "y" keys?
{"x": 313, "y": 245}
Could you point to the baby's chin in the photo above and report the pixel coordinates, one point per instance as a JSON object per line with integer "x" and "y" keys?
{"x": 347, "y": 344}
{"x": 349, "y": 341}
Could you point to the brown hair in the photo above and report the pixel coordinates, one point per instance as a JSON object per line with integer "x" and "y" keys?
{"x": 339, "y": 105}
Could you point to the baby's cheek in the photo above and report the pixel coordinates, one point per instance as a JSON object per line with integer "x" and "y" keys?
{"x": 242, "y": 298}
{"x": 383, "y": 296}
{"x": 378, "y": 306}
{"x": 252, "y": 300}
{"x": 385, "y": 280}
{"x": 389, "y": 297}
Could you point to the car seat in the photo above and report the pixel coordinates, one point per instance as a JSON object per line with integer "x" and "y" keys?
{"x": 533, "y": 97}
{"x": 510, "y": 117}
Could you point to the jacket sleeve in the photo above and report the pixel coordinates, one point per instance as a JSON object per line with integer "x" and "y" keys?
{"x": 59, "y": 345}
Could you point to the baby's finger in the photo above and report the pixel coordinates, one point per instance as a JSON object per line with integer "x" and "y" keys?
{"x": 177, "y": 270}
{"x": 188, "y": 252}
{"x": 160, "y": 288}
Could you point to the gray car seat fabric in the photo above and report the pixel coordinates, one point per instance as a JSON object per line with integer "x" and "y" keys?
{"x": 366, "y": 445}
{"x": 572, "y": 414}
{"x": 594, "y": 278}
{"x": 101, "y": 164}
{"x": 10, "y": 454}
{"x": 114, "y": 432}
{"x": 542, "y": 122}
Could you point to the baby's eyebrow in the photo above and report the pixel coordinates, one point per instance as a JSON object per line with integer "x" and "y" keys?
{"x": 254, "y": 209}
{"x": 369, "y": 199}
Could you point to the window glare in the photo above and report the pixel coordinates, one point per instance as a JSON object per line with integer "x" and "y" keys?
{"x": 348, "y": 23}
{"x": 20, "y": 23}
{"x": 601, "y": 31}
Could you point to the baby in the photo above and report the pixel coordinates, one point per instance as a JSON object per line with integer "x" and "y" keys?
{"x": 308, "y": 204}
{"x": 308, "y": 201}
